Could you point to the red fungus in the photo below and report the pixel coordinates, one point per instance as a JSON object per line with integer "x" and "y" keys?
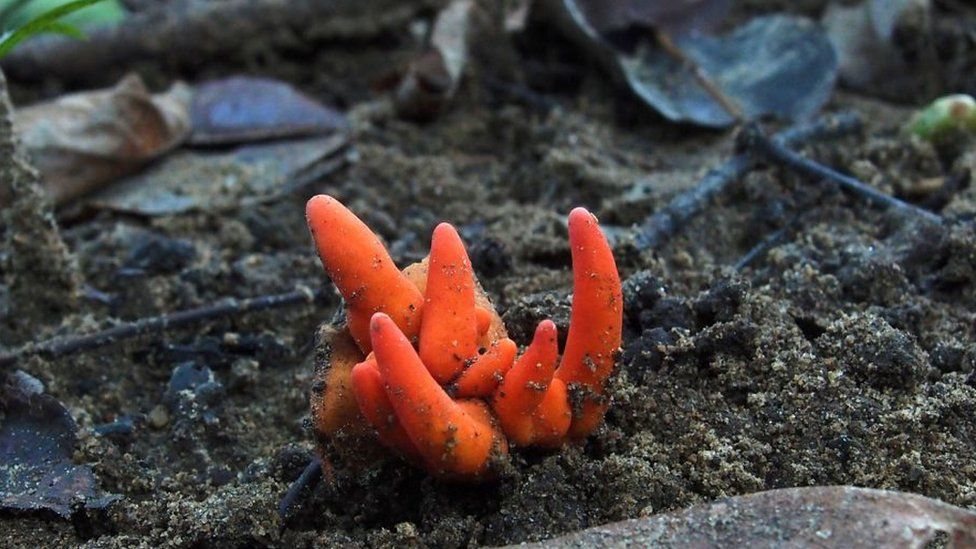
{"x": 443, "y": 385}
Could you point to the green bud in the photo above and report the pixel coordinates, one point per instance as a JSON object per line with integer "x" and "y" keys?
{"x": 945, "y": 118}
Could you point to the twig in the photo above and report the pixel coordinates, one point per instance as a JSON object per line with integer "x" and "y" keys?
{"x": 338, "y": 155}
{"x": 802, "y": 211}
{"x": 61, "y": 346}
{"x": 778, "y": 152}
{"x": 730, "y": 106}
{"x": 310, "y": 476}
{"x": 764, "y": 245}
{"x": 664, "y": 223}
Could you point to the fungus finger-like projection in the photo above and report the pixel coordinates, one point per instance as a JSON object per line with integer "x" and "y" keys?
{"x": 362, "y": 270}
{"x": 454, "y": 438}
{"x": 436, "y": 379}
{"x": 486, "y": 371}
{"x": 517, "y": 401}
{"x": 450, "y": 335}
{"x": 378, "y": 410}
{"x": 595, "y": 321}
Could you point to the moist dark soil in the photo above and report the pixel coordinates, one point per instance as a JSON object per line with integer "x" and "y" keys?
{"x": 845, "y": 354}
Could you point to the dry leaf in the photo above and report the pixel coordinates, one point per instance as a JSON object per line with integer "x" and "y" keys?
{"x": 872, "y": 57}
{"x": 243, "y": 109}
{"x": 37, "y": 440}
{"x": 517, "y": 15}
{"x": 82, "y": 141}
{"x": 822, "y": 516}
{"x": 779, "y": 65}
{"x": 432, "y": 79}
{"x": 208, "y": 180}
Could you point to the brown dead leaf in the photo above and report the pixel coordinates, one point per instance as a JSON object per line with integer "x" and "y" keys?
{"x": 874, "y": 55}
{"x": 216, "y": 180}
{"x": 82, "y": 141}
{"x": 432, "y": 78}
{"x": 517, "y": 15}
{"x": 822, "y": 516}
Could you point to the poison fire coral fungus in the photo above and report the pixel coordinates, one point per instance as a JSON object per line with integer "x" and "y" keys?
{"x": 432, "y": 372}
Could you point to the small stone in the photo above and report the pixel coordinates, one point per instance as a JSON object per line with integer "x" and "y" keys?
{"x": 406, "y": 530}
{"x": 158, "y": 254}
{"x": 158, "y": 417}
{"x": 188, "y": 376}
{"x": 120, "y": 430}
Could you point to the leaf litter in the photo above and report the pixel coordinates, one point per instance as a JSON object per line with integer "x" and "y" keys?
{"x": 82, "y": 141}
{"x": 777, "y": 65}
{"x": 37, "y": 441}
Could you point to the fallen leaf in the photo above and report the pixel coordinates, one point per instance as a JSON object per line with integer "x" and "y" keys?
{"x": 82, "y": 141}
{"x": 432, "y": 78}
{"x": 871, "y": 57}
{"x": 37, "y": 440}
{"x": 823, "y": 516}
{"x": 775, "y": 65}
{"x": 672, "y": 16}
{"x": 189, "y": 180}
{"x": 243, "y": 109}
{"x": 517, "y": 15}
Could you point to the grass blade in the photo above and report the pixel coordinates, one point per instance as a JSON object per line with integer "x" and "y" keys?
{"x": 49, "y": 21}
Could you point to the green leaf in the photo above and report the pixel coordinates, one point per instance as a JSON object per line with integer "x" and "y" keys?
{"x": 15, "y": 13}
{"x": 48, "y": 21}
{"x": 65, "y": 29}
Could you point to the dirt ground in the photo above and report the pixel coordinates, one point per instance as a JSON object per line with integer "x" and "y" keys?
{"x": 845, "y": 355}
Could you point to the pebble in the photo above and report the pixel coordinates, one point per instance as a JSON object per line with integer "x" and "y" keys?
{"x": 158, "y": 417}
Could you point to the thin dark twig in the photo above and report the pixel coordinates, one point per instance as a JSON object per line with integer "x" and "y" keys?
{"x": 665, "y": 223}
{"x": 310, "y": 476}
{"x": 302, "y": 181}
{"x": 803, "y": 210}
{"x": 772, "y": 240}
{"x": 61, "y": 346}
{"x": 776, "y": 151}
{"x": 727, "y": 103}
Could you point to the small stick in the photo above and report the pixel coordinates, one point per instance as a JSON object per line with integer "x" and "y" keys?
{"x": 777, "y": 237}
{"x": 330, "y": 164}
{"x": 777, "y": 152}
{"x": 759, "y": 250}
{"x": 664, "y": 223}
{"x": 310, "y": 476}
{"x": 61, "y": 346}
{"x": 730, "y": 106}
